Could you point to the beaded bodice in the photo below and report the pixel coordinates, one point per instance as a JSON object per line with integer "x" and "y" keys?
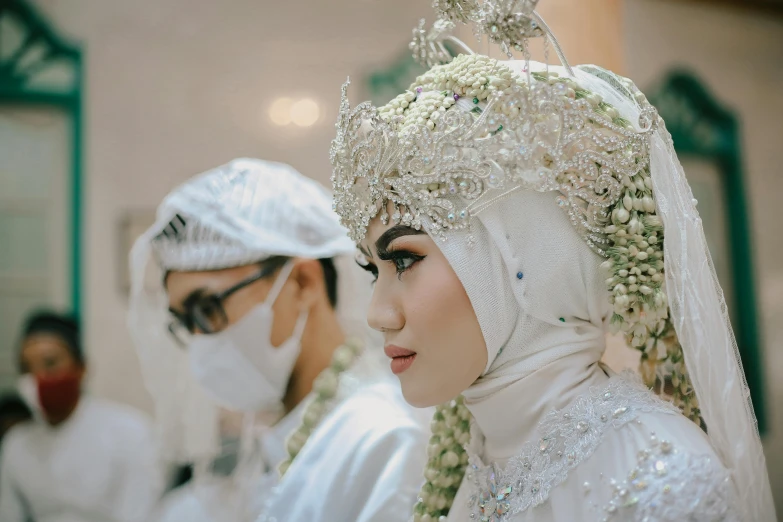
{"x": 694, "y": 486}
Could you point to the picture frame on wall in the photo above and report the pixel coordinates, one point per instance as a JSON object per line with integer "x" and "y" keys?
{"x": 131, "y": 226}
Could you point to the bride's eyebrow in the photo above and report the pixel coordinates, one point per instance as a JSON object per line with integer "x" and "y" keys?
{"x": 365, "y": 251}
{"x": 395, "y": 232}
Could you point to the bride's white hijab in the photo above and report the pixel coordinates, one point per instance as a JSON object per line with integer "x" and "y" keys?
{"x": 539, "y": 295}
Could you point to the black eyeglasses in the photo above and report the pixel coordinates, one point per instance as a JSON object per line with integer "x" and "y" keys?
{"x": 205, "y": 313}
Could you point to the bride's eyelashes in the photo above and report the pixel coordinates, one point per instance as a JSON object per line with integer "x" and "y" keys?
{"x": 403, "y": 260}
{"x": 371, "y": 268}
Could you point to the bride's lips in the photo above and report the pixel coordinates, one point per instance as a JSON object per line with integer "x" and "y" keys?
{"x": 401, "y": 358}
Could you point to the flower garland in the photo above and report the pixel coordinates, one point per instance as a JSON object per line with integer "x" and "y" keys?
{"x": 447, "y": 461}
{"x": 636, "y": 280}
{"x": 634, "y": 265}
{"x": 470, "y": 77}
{"x": 325, "y": 388}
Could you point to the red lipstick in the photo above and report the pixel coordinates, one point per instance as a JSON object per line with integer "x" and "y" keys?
{"x": 401, "y": 358}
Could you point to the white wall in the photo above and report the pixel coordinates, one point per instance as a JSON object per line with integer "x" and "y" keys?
{"x": 738, "y": 54}
{"x": 174, "y": 87}
{"x": 177, "y": 86}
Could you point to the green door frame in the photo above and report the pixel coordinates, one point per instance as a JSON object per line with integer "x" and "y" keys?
{"x": 702, "y": 128}
{"x": 16, "y": 89}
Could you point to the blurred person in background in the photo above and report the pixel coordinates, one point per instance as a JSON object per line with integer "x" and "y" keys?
{"x": 13, "y": 411}
{"x": 82, "y": 459}
{"x": 235, "y": 307}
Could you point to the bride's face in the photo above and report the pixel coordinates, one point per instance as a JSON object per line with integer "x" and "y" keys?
{"x": 431, "y": 333}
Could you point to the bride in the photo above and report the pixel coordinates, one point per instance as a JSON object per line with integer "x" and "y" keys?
{"x": 512, "y": 213}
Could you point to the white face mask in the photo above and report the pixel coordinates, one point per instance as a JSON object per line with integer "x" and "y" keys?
{"x": 239, "y": 367}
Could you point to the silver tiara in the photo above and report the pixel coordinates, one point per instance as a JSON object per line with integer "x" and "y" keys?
{"x": 472, "y": 131}
{"x": 507, "y": 23}
{"x": 428, "y": 46}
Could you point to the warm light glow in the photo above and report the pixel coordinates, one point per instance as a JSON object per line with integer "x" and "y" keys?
{"x": 280, "y": 111}
{"x": 305, "y": 112}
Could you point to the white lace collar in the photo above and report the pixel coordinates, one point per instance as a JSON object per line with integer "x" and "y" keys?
{"x": 565, "y": 439}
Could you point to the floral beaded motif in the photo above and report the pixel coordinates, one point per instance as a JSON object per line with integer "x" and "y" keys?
{"x": 669, "y": 485}
{"x": 568, "y": 438}
{"x": 493, "y": 502}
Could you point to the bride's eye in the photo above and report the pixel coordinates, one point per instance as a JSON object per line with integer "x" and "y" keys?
{"x": 402, "y": 260}
{"x": 403, "y": 263}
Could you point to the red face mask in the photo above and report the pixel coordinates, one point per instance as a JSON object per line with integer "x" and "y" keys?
{"x": 59, "y": 395}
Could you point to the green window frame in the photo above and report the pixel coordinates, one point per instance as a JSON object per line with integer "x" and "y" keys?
{"x": 17, "y": 88}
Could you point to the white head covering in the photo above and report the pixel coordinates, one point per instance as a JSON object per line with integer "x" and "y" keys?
{"x": 234, "y": 215}
{"x": 246, "y": 211}
{"x": 526, "y": 233}
{"x": 554, "y": 298}
{"x": 557, "y": 308}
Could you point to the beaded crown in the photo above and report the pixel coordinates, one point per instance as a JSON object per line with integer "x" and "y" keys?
{"x": 473, "y": 130}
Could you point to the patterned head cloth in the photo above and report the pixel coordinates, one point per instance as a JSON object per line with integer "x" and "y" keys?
{"x": 237, "y": 214}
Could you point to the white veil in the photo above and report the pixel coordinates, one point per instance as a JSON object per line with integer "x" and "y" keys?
{"x": 698, "y": 310}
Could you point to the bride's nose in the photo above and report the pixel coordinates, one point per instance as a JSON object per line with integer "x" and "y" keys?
{"x": 384, "y": 314}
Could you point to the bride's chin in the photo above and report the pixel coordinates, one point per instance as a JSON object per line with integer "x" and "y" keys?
{"x": 416, "y": 396}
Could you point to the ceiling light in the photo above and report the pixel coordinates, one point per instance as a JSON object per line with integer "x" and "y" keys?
{"x": 305, "y": 112}
{"x": 280, "y": 111}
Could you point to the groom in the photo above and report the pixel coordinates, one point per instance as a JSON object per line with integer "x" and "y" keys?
{"x": 248, "y": 251}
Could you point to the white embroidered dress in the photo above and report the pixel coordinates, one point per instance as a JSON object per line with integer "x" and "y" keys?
{"x": 556, "y": 436}
{"x": 616, "y": 452}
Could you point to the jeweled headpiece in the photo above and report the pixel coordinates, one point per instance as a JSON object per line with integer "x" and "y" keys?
{"x": 473, "y": 130}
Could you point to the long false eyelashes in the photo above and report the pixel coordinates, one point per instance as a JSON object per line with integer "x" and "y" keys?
{"x": 403, "y": 260}
{"x": 371, "y": 268}
{"x": 395, "y": 255}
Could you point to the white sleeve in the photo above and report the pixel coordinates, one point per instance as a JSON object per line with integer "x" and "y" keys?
{"x": 12, "y": 508}
{"x": 387, "y": 482}
{"x": 364, "y": 464}
{"x": 140, "y": 478}
{"x": 657, "y": 469}
{"x": 372, "y": 476}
